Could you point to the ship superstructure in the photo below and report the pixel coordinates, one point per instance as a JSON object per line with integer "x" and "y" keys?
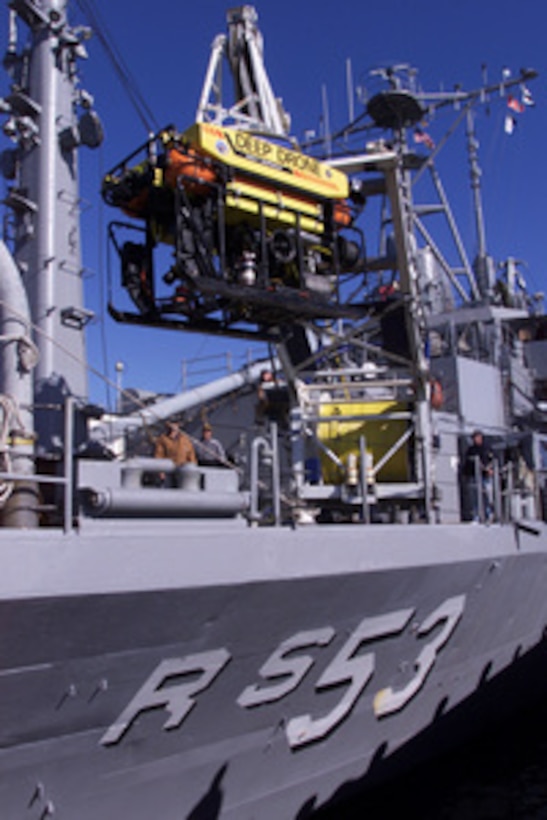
{"x": 259, "y": 637}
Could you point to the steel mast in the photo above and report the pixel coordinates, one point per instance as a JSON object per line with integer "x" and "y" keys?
{"x": 49, "y": 117}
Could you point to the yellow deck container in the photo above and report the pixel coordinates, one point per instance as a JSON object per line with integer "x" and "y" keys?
{"x": 341, "y": 433}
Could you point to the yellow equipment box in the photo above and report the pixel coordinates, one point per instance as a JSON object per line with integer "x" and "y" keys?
{"x": 341, "y": 433}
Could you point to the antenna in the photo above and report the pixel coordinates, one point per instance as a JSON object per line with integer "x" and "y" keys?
{"x": 326, "y": 121}
{"x": 349, "y": 86}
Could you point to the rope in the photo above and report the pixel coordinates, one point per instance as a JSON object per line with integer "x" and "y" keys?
{"x": 28, "y": 359}
{"x": 6, "y": 487}
{"x": 28, "y": 353}
{"x": 11, "y": 420}
{"x": 93, "y": 370}
{"x": 10, "y": 409}
{"x": 124, "y": 75}
{"x": 26, "y": 350}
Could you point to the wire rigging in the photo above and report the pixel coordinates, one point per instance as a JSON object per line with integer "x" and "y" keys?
{"x": 128, "y": 82}
{"x": 101, "y": 280}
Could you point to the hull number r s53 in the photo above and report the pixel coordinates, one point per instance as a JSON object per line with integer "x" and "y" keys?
{"x": 285, "y": 669}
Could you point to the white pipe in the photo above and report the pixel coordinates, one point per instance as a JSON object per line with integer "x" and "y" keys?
{"x": 16, "y": 381}
{"x": 199, "y": 395}
{"x": 109, "y": 429}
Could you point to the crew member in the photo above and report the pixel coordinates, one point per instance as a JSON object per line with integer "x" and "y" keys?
{"x": 209, "y": 450}
{"x": 478, "y": 470}
{"x": 176, "y": 445}
{"x": 266, "y": 385}
{"x": 273, "y": 401}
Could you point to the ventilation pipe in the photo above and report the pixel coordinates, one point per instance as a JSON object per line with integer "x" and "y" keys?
{"x": 18, "y": 496}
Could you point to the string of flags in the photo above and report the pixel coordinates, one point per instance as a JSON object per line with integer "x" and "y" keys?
{"x": 517, "y": 106}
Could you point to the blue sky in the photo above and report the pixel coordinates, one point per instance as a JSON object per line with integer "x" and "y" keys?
{"x": 166, "y": 46}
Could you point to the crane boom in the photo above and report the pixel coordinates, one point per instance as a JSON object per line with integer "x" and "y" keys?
{"x": 255, "y": 107}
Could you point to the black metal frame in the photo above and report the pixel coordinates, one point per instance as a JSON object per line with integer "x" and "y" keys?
{"x": 217, "y": 302}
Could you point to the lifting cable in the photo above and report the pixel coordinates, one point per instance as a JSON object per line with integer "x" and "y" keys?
{"x": 120, "y": 67}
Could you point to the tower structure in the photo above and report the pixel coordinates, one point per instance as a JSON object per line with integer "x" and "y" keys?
{"x": 48, "y": 117}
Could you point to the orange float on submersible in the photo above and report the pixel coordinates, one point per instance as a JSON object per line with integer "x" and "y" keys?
{"x": 198, "y": 174}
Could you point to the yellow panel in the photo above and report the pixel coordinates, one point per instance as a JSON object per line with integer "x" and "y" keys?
{"x": 343, "y": 437}
{"x": 241, "y": 202}
{"x": 274, "y": 162}
{"x": 283, "y": 199}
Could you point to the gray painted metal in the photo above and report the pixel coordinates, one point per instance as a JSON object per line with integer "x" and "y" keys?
{"x": 244, "y": 597}
{"x": 161, "y": 502}
{"x": 46, "y": 196}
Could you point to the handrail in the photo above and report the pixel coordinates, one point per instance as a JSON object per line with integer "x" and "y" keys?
{"x": 66, "y": 480}
{"x": 270, "y": 449}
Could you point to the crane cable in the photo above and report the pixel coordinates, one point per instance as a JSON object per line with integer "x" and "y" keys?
{"x": 128, "y": 82}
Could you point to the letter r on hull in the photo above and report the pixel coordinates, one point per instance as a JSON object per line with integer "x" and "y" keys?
{"x": 177, "y": 698}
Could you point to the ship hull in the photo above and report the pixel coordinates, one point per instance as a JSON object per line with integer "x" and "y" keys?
{"x": 244, "y": 673}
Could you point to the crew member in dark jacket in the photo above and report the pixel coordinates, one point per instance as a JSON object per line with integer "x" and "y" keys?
{"x": 478, "y": 471}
